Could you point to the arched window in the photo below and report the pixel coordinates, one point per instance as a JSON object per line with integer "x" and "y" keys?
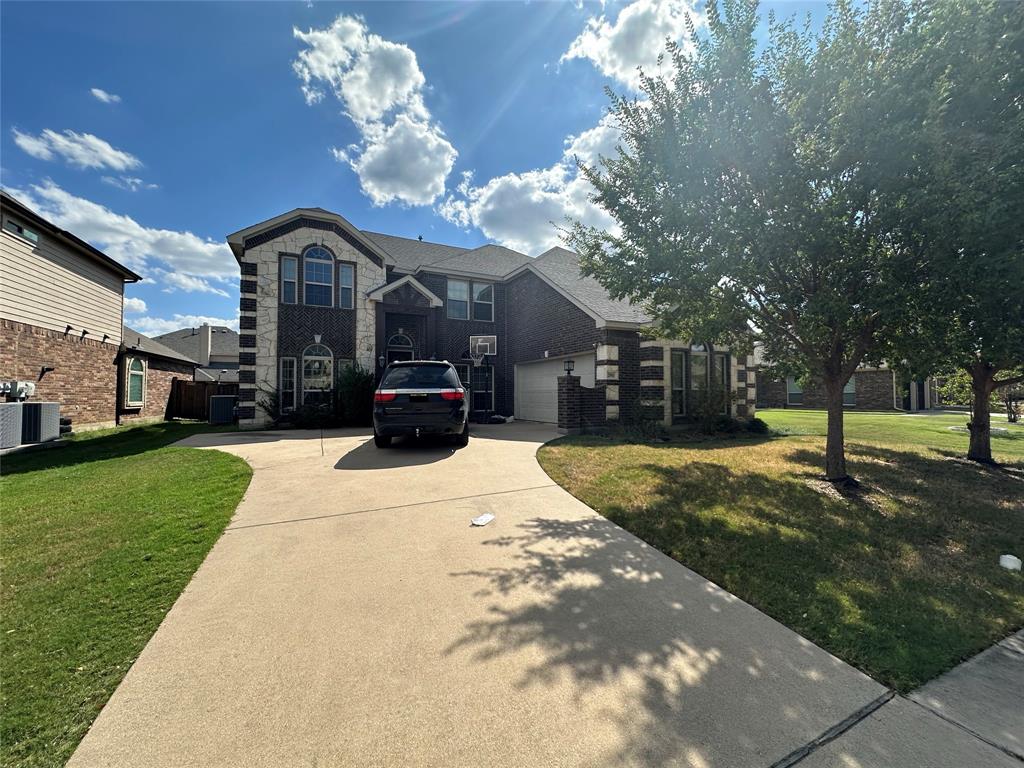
{"x": 135, "y": 383}
{"x": 318, "y": 276}
{"x": 317, "y": 375}
{"x": 400, "y": 347}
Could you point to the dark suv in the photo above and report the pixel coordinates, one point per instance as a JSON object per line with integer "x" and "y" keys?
{"x": 420, "y": 397}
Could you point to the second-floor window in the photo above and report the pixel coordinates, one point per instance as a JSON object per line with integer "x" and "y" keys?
{"x": 346, "y": 285}
{"x": 460, "y": 303}
{"x": 289, "y": 279}
{"x": 318, "y": 277}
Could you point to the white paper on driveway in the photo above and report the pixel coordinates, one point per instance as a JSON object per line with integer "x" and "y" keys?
{"x": 483, "y": 519}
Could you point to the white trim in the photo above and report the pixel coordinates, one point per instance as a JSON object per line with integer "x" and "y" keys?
{"x": 306, "y": 282}
{"x": 378, "y": 294}
{"x": 128, "y": 373}
{"x": 295, "y": 383}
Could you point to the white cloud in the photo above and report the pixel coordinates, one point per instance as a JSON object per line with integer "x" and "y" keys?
{"x": 180, "y": 259}
{"x": 403, "y": 155}
{"x": 104, "y": 96}
{"x": 133, "y": 306}
{"x": 154, "y": 326}
{"x": 524, "y": 210}
{"x": 634, "y": 39}
{"x": 81, "y": 150}
{"x": 129, "y": 183}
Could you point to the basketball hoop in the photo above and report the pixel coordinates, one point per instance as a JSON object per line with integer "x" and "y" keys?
{"x": 480, "y": 347}
{"x": 477, "y": 358}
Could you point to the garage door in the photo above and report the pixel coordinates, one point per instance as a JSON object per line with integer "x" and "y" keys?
{"x": 537, "y": 386}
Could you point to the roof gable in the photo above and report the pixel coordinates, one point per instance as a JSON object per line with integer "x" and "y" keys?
{"x": 133, "y": 340}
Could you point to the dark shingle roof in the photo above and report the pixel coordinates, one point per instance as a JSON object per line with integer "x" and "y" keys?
{"x": 135, "y": 340}
{"x": 411, "y": 254}
{"x": 490, "y": 260}
{"x": 223, "y": 341}
{"x": 562, "y": 267}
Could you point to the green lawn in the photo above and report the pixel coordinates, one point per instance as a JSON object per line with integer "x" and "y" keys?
{"x": 901, "y": 581}
{"x": 99, "y": 539}
{"x": 928, "y": 430}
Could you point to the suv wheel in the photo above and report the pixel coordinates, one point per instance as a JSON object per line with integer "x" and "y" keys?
{"x": 381, "y": 441}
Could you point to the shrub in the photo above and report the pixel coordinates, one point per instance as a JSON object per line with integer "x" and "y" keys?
{"x": 757, "y": 426}
{"x": 353, "y": 396}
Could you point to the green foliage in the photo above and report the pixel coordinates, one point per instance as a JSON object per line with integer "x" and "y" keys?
{"x": 353, "y": 395}
{"x": 757, "y": 426}
{"x": 709, "y": 407}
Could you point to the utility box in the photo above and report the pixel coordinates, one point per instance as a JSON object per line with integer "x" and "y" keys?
{"x": 222, "y": 409}
{"x": 10, "y": 424}
{"x": 40, "y": 422}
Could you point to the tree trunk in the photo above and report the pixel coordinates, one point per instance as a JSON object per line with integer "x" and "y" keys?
{"x": 835, "y": 451}
{"x": 980, "y": 425}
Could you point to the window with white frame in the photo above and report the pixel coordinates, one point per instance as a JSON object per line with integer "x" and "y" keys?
{"x": 483, "y": 301}
{"x": 482, "y": 391}
{"x": 317, "y": 375}
{"x": 287, "y": 388}
{"x": 318, "y": 277}
{"x": 346, "y": 285}
{"x": 463, "y": 370}
{"x": 794, "y": 392}
{"x": 289, "y": 279}
{"x": 850, "y": 392}
{"x": 458, "y": 299}
{"x": 135, "y": 383}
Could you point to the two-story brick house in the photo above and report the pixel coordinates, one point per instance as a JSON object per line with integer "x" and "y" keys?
{"x": 317, "y": 292}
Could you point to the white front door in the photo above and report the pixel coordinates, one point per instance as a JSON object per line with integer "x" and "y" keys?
{"x": 537, "y": 386}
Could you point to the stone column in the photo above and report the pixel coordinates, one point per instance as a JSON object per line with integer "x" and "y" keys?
{"x": 608, "y": 375}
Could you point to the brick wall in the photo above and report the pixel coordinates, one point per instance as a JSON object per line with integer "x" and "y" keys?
{"x": 84, "y": 379}
{"x": 873, "y": 388}
{"x": 159, "y": 375}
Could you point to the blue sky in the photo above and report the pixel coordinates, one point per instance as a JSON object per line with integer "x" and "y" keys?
{"x": 154, "y": 129}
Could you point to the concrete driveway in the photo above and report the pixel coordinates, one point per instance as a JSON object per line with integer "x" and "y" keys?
{"x": 351, "y": 616}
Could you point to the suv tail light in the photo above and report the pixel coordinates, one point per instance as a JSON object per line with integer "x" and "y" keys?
{"x": 384, "y": 397}
{"x": 452, "y": 394}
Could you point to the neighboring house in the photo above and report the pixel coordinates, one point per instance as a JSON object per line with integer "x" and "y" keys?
{"x": 149, "y": 368}
{"x": 869, "y": 389}
{"x": 214, "y": 347}
{"x": 317, "y": 293}
{"x": 61, "y": 309}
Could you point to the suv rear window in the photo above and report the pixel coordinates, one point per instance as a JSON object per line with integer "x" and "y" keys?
{"x": 421, "y": 377}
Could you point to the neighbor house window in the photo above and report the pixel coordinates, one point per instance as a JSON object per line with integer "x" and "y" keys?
{"x": 135, "y": 385}
{"x": 289, "y": 279}
{"x": 794, "y": 392}
{"x": 318, "y": 276}
{"x": 21, "y": 230}
{"x": 287, "y": 389}
{"x": 458, "y": 299}
{"x": 678, "y": 382}
{"x": 483, "y": 301}
{"x": 850, "y": 392}
{"x": 346, "y": 285}
{"x": 317, "y": 375}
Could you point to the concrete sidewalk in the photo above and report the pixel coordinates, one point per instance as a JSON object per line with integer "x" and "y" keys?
{"x": 350, "y": 616}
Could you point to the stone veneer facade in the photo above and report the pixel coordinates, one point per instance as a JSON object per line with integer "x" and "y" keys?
{"x": 259, "y": 307}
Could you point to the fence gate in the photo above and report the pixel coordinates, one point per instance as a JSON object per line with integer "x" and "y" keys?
{"x": 191, "y": 399}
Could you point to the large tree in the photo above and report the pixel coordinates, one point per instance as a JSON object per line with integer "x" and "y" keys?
{"x": 964, "y": 207}
{"x": 747, "y": 190}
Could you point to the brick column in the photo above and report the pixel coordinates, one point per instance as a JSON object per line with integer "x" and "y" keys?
{"x": 569, "y": 410}
{"x": 608, "y": 375}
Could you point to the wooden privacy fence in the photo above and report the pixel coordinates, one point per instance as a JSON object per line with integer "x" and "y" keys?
{"x": 191, "y": 399}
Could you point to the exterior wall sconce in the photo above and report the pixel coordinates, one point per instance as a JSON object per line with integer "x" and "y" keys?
{"x": 569, "y": 366}
{"x": 68, "y": 329}
{"x": 316, "y": 338}
{"x": 84, "y": 333}
{"x": 381, "y": 360}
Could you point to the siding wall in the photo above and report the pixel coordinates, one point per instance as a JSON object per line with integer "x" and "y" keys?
{"x": 50, "y": 286}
